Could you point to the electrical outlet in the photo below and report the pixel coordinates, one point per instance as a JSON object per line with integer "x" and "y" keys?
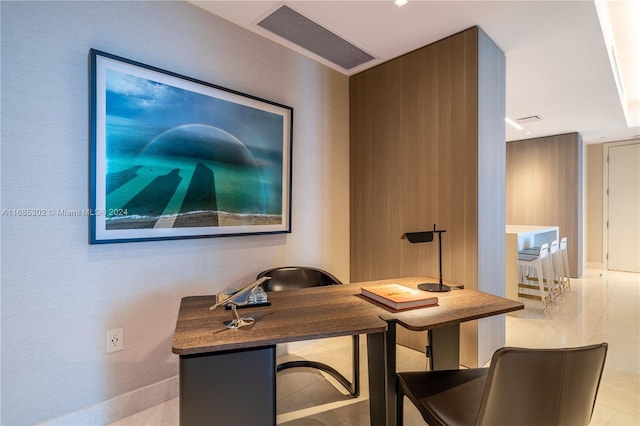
{"x": 115, "y": 340}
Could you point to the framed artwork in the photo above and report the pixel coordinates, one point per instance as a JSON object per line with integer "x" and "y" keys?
{"x": 175, "y": 157}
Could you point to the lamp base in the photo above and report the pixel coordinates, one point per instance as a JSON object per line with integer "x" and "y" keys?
{"x": 434, "y": 287}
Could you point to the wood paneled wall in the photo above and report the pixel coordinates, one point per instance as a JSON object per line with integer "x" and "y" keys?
{"x": 545, "y": 187}
{"x": 414, "y": 138}
{"x": 413, "y": 162}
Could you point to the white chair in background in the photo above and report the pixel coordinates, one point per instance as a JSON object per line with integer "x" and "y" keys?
{"x": 566, "y": 283}
{"x": 556, "y": 280}
{"x": 531, "y": 269}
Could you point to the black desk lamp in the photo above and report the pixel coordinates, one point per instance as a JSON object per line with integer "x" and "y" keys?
{"x": 427, "y": 237}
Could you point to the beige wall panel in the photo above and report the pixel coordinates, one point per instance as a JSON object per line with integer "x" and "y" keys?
{"x": 594, "y": 206}
{"x": 544, "y": 187}
{"x": 375, "y": 224}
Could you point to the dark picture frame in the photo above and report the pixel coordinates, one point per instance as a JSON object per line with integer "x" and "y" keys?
{"x": 175, "y": 157}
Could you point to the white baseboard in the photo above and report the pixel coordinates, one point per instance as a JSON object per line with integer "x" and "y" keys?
{"x": 121, "y": 406}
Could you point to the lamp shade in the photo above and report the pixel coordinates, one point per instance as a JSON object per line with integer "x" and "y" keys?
{"x": 427, "y": 237}
{"x": 419, "y": 237}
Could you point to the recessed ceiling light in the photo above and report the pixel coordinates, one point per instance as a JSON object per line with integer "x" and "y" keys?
{"x": 401, "y": 3}
{"x": 529, "y": 119}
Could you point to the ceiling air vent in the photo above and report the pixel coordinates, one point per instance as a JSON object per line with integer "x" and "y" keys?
{"x": 298, "y": 29}
{"x": 529, "y": 119}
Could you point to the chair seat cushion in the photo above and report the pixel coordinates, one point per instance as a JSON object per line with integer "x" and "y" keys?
{"x": 530, "y": 250}
{"x": 527, "y": 257}
{"x": 450, "y": 397}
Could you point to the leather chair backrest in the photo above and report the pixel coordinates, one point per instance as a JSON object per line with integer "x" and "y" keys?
{"x": 296, "y": 277}
{"x": 542, "y": 386}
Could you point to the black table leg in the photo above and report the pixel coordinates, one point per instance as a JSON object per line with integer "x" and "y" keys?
{"x": 444, "y": 348}
{"x": 377, "y": 381}
{"x": 229, "y": 388}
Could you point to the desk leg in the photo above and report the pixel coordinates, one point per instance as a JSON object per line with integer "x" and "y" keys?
{"x": 228, "y": 388}
{"x": 444, "y": 348}
{"x": 377, "y": 380}
{"x": 390, "y": 373}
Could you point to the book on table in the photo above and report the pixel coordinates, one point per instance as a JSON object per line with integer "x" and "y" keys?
{"x": 398, "y": 297}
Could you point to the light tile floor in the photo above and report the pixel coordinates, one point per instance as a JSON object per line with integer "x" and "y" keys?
{"x": 601, "y": 306}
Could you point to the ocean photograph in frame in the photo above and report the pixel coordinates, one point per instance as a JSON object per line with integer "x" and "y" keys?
{"x": 174, "y": 157}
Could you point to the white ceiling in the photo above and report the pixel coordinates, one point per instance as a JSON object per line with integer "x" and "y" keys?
{"x": 558, "y": 64}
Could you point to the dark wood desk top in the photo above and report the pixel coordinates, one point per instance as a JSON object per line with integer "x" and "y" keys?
{"x": 322, "y": 312}
{"x": 305, "y": 314}
{"x": 454, "y": 307}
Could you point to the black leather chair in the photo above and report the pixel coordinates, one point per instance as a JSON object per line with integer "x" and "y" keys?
{"x": 521, "y": 387}
{"x": 298, "y": 277}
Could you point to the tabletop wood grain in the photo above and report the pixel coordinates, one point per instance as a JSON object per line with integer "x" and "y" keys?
{"x": 454, "y": 307}
{"x": 321, "y": 312}
{"x": 295, "y": 315}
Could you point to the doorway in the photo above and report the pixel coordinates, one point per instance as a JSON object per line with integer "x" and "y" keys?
{"x": 622, "y": 206}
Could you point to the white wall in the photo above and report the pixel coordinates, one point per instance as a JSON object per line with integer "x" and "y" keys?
{"x": 60, "y": 294}
{"x": 492, "y": 161}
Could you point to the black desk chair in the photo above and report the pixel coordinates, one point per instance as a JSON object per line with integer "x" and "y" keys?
{"x": 297, "y": 277}
{"x": 521, "y": 387}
